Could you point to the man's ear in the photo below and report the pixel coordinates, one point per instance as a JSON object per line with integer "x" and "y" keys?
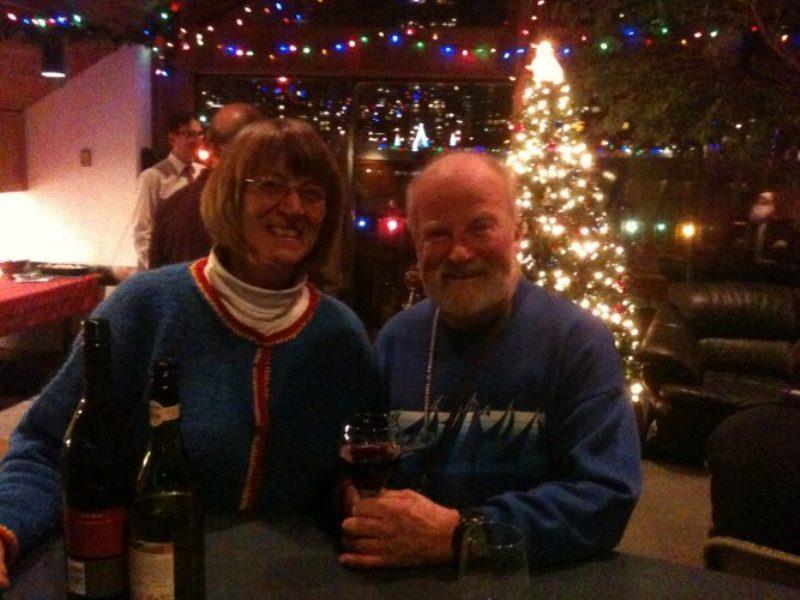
{"x": 172, "y": 137}
{"x": 416, "y": 240}
{"x": 518, "y": 229}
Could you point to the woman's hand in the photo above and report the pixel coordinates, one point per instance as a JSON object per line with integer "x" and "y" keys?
{"x": 5, "y": 582}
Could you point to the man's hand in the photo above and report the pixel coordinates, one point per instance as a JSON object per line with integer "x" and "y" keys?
{"x": 348, "y": 497}
{"x": 5, "y": 582}
{"x": 398, "y": 529}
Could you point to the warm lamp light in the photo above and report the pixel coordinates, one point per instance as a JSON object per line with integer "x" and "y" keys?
{"x": 545, "y": 65}
{"x": 630, "y": 226}
{"x": 688, "y": 230}
{"x": 53, "y": 64}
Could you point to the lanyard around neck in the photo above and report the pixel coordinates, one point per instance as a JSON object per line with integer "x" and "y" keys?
{"x": 466, "y": 386}
{"x": 429, "y": 366}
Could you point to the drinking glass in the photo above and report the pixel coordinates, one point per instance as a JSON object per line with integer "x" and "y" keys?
{"x": 493, "y": 564}
{"x": 370, "y": 446}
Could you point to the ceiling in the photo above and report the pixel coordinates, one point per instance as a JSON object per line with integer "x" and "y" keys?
{"x": 20, "y": 56}
{"x": 21, "y": 83}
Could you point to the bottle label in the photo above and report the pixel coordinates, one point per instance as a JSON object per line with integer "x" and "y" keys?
{"x": 161, "y": 414}
{"x": 152, "y": 569}
{"x": 98, "y": 534}
{"x": 97, "y": 578}
{"x": 76, "y": 576}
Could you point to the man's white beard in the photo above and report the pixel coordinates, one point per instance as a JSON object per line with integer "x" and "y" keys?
{"x": 465, "y": 300}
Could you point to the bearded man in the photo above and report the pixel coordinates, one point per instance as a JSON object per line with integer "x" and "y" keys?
{"x": 513, "y": 399}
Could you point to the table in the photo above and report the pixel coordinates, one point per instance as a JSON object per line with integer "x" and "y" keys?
{"x": 250, "y": 558}
{"x": 27, "y": 304}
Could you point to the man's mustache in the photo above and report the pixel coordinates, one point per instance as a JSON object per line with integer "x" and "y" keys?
{"x": 452, "y": 271}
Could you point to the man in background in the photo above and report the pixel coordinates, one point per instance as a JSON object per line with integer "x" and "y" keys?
{"x": 765, "y": 247}
{"x": 540, "y": 433}
{"x": 771, "y": 236}
{"x": 165, "y": 178}
{"x": 178, "y": 232}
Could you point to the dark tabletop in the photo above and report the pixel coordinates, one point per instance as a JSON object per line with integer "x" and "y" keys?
{"x": 292, "y": 559}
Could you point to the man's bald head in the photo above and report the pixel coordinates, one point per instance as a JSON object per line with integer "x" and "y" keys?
{"x": 456, "y": 166}
{"x": 228, "y": 121}
{"x": 463, "y": 219}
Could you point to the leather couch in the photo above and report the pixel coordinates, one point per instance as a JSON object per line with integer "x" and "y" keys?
{"x": 710, "y": 350}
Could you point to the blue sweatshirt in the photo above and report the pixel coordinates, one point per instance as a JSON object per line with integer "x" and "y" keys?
{"x": 261, "y": 415}
{"x": 550, "y": 442}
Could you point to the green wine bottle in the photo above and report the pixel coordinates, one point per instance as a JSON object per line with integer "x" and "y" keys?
{"x": 96, "y": 475}
{"x": 167, "y": 541}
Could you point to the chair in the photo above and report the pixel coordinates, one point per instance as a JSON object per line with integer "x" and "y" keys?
{"x": 712, "y": 349}
{"x": 739, "y": 557}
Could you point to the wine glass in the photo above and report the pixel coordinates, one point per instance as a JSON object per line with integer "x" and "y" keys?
{"x": 493, "y": 563}
{"x": 370, "y": 447}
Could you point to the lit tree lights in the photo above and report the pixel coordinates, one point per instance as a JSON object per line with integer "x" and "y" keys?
{"x": 568, "y": 245}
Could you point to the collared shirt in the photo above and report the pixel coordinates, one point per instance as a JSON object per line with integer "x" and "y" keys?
{"x": 154, "y": 185}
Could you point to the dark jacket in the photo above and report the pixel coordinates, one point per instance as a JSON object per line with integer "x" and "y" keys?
{"x": 179, "y": 234}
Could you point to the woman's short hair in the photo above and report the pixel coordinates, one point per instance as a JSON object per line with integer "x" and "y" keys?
{"x": 256, "y": 149}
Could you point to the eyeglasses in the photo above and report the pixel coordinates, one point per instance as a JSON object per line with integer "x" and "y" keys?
{"x": 276, "y": 188}
{"x": 191, "y": 133}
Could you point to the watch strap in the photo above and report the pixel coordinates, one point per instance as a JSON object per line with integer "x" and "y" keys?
{"x": 467, "y": 518}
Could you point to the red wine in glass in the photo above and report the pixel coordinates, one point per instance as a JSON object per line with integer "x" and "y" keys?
{"x": 369, "y": 450}
{"x": 370, "y": 465}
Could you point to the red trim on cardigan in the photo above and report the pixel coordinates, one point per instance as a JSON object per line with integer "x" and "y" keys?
{"x": 197, "y": 270}
{"x": 262, "y": 373}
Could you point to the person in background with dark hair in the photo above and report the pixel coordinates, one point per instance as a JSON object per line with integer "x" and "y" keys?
{"x": 178, "y": 232}
{"x": 165, "y": 178}
{"x": 754, "y": 460}
{"x": 269, "y": 367}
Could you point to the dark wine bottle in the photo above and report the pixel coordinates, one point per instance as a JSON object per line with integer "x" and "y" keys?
{"x": 96, "y": 479}
{"x": 167, "y": 541}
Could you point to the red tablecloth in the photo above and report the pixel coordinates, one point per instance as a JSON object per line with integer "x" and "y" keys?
{"x": 24, "y": 305}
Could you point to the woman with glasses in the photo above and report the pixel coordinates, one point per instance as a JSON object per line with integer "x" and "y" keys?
{"x": 269, "y": 367}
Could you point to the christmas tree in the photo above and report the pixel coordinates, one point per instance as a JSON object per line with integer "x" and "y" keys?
{"x": 568, "y": 245}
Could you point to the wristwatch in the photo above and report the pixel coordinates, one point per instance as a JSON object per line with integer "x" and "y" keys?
{"x": 467, "y": 517}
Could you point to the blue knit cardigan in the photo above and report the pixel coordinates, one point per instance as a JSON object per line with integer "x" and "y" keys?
{"x": 261, "y": 415}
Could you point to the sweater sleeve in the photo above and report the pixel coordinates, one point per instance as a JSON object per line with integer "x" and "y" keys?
{"x": 360, "y": 378}
{"x": 30, "y": 482}
{"x": 593, "y": 448}
{"x": 148, "y": 188}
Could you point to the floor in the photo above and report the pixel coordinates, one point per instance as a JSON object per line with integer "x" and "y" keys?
{"x": 673, "y": 516}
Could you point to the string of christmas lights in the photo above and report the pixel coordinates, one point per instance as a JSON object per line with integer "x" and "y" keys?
{"x": 419, "y": 38}
{"x": 165, "y": 35}
{"x": 568, "y": 245}
{"x": 630, "y": 35}
{"x": 64, "y": 20}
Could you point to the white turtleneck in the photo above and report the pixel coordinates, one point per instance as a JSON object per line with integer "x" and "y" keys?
{"x": 266, "y": 311}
